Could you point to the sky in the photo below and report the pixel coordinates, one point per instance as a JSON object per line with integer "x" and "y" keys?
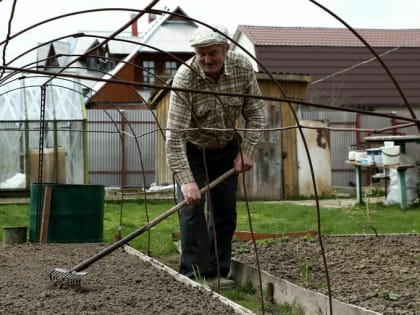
{"x": 231, "y": 13}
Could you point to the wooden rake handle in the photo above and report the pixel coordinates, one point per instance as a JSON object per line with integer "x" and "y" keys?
{"x": 83, "y": 265}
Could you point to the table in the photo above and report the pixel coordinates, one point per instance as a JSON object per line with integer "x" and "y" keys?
{"x": 401, "y": 168}
{"x": 398, "y": 140}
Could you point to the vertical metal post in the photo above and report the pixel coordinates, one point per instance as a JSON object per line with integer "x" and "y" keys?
{"x": 40, "y": 156}
{"x": 403, "y": 187}
{"x": 358, "y": 170}
{"x": 123, "y": 160}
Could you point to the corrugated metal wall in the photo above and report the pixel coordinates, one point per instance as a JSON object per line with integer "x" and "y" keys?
{"x": 105, "y": 145}
{"x": 118, "y": 147}
{"x": 342, "y": 174}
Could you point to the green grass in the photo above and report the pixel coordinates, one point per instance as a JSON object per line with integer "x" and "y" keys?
{"x": 267, "y": 217}
{"x": 283, "y": 217}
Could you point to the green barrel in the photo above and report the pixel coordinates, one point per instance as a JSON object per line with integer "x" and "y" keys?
{"x": 76, "y": 213}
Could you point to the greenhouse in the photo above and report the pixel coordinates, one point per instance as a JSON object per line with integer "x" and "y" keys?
{"x": 23, "y": 107}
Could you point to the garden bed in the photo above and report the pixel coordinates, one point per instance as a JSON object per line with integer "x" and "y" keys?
{"x": 119, "y": 283}
{"x": 377, "y": 273}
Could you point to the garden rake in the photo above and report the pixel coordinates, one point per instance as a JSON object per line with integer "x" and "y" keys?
{"x": 72, "y": 277}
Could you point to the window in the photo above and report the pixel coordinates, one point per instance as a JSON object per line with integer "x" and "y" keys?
{"x": 170, "y": 68}
{"x": 148, "y": 71}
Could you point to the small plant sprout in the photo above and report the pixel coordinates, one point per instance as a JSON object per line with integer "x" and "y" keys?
{"x": 304, "y": 267}
{"x": 308, "y": 238}
{"x": 388, "y": 295}
{"x": 243, "y": 249}
{"x": 284, "y": 239}
{"x": 362, "y": 215}
{"x": 197, "y": 275}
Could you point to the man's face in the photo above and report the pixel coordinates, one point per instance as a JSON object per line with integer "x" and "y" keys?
{"x": 211, "y": 58}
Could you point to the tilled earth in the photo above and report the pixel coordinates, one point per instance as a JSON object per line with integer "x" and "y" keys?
{"x": 117, "y": 284}
{"x": 380, "y": 273}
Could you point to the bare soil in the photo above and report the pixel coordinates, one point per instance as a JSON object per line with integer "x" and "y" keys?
{"x": 117, "y": 284}
{"x": 377, "y": 273}
{"x": 380, "y": 273}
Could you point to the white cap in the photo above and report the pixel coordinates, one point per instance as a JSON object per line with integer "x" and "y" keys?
{"x": 205, "y": 37}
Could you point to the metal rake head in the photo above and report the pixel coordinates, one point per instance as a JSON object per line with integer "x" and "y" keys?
{"x": 68, "y": 277}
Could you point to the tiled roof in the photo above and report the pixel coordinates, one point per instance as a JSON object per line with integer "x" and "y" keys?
{"x": 323, "y": 36}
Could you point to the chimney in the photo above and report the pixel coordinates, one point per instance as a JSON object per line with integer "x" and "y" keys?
{"x": 134, "y": 29}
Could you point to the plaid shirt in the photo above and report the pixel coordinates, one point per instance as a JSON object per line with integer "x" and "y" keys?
{"x": 195, "y": 110}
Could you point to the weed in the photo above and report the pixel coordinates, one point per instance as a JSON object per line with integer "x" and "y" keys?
{"x": 197, "y": 275}
{"x": 309, "y": 238}
{"x": 284, "y": 239}
{"x": 245, "y": 293}
{"x": 243, "y": 249}
{"x": 388, "y": 295}
{"x": 304, "y": 267}
{"x": 247, "y": 288}
{"x": 266, "y": 241}
{"x": 321, "y": 285}
{"x": 362, "y": 215}
{"x": 286, "y": 309}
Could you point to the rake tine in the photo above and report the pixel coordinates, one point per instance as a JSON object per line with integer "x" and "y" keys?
{"x": 55, "y": 274}
{"x": 72, "y": 278}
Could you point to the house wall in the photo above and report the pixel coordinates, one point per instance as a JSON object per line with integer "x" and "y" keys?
{"x": 349, "y": 75}
{"x": 125, "y": 93}
{"x": 160, "y": 59}
{"x": 248, "y": 46}
{"x": 119, "y": 93}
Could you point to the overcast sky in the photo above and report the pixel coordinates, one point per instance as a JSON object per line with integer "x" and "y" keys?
{"x": 357, "y": 13}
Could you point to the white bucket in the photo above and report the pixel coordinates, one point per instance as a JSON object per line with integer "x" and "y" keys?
{"x": 391, "y": 155}
{"x": 360, "y": 155}
{"x": 375, "y": 155}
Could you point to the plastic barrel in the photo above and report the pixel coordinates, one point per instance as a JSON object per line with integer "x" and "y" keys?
{"x": 76, "y": 213}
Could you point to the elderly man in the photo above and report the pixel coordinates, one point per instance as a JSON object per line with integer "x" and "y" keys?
{"x": 198, "y": 156}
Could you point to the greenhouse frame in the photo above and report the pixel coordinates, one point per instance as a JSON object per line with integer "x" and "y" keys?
{"x": 54, "y": 121}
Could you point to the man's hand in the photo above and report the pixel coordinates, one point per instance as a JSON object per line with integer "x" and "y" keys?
{"x": 245, "y": 166}
{"x": 191, "y": 193}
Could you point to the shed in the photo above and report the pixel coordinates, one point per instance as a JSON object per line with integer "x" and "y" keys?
{"x": 275, "y": 174}
{"x": 64, "y": 159}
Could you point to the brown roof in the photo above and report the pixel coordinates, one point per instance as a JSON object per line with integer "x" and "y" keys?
{"x": 344, "y": 72}
{"x": 324, "y": 36}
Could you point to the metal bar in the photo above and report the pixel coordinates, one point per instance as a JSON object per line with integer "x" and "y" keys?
{"x": 40, "y": 154}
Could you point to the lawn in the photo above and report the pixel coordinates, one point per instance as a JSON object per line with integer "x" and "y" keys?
{"x": 265, "y": 217}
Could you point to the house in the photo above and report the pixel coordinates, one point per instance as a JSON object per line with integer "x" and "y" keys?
{"x": 122, "y": 124}
{"x": 346, "y": 75}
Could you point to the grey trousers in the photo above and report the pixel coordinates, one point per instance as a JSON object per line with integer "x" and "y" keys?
{"x": 199, "y": 256}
